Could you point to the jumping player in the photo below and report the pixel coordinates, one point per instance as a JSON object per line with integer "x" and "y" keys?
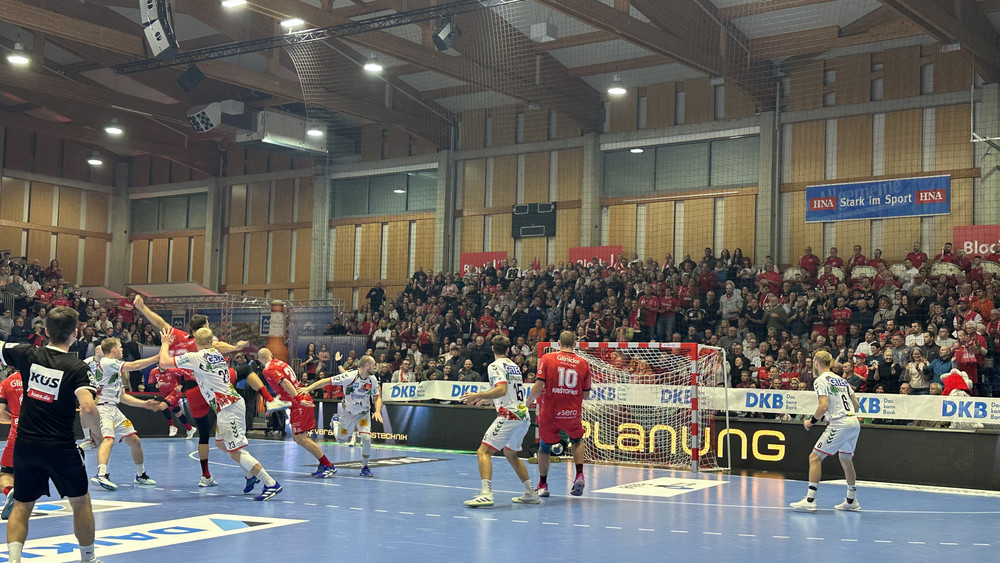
{"x": 168, "y": 383}
{"x": 212, "y": 373}
{"x": 562, "y": 384}
{"x": 182, "y": 343}
{"x": 360, "y": 385}
{"x": 839, "y": 406}
{"x": 508, "y": 429}
{"x": 11, "y": 392}
{"x": 281, "y": 376}
{"x": 109, "y": 373}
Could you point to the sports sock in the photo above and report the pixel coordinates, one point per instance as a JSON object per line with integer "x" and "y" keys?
{"x": 7, "y": 490}
{"x": 364, "y": 460}
{"x": 852, "y": 493}
{"x": 266, "y": 394}
{"x": 527, "y": 487}
{"x": 102, "y": 469}
{"x": 204, "y": 468}
{"x": 140, "y": 468}
{"x": 324, "y": 462}
{"x": 186, "y": 425}
{"x": 166, "y": 415}
{"x": 487, "y": 487}
{"x": 14, "y": 551}
{"x": 265, "y": 478}
{"x": 811, "y": 495}
{"x": 87, "y": 553}
{"x": 543, "y": 479}
{"x": 579, "y": 469}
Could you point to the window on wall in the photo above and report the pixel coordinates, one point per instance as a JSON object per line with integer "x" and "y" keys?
{"x": 384, "y": 195}
{"x": 735, "y": 161}
{"x": 174, "y": 213}
{"x": 681, "y": 167}
{"x": 627, "y": 173}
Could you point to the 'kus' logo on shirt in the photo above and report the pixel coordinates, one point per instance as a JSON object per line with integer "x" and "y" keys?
{"x": 44, "y": 383}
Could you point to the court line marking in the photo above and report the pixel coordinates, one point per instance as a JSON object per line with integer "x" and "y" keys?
{"x": 919, "y": 488}
{"x": 782, "y": 537}
{"x": 747, "y": 535}
{"x": 679, "y": 531}
{"x": 646, "y": 530}
{"x": 883, "y": 541}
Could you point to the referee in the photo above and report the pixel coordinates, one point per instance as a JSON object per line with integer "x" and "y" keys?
{"x": 46, "y": 446}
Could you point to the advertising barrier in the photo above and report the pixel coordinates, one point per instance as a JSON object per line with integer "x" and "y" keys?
{"x": 471, "y": 261}
{"x": 930, "y": 195}
{"x": 881, "y": 406}
{"x": 607, "y": 255}
{"x": 976, "y": 239}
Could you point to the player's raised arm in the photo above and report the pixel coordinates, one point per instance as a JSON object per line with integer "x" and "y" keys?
{"x": 153, "y": 318}
{"x": 149, "y": 404}
{"x": 166, "y": 339}
{"x": 316, "y": 384}
{"x": 139, "y": 365}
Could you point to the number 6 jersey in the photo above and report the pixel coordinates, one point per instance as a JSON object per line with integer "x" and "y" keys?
{"x": 511, "y": 404}
{"x": 840, "y": 393}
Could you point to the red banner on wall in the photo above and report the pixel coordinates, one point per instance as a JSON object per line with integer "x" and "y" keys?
{"x": 607, "y": 255}
{"x": 472, "y": 260}
{"x": 976, "y": 239}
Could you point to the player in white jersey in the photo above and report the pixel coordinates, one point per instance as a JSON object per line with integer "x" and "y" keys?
{"x": 839, "y": 407}
{"x": 211, "y": 370}
{"x": 360, "y": 385}
{"x": 508, "y": 429}
{"x": 109, "y": 374}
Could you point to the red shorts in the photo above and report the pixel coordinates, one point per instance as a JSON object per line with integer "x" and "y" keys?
{"x": 548, "y": 429}
{"x": 196, "y": 402}
{"x": 303, "y": 415}
{"x": 7, "y": 460}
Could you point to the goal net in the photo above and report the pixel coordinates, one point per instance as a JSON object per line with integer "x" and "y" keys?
{"x": 651, "y": 404}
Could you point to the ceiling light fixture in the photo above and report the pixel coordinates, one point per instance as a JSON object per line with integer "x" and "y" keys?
{"x": 18, "y": 56}
{"x": 292, "y": 22}
{"x": 372, "y": 65}
{"x": 637, "y": 150}
{"x": 314, "y": 130}
{"x": 617, "y": 88}
{"x": 113, "y": 127}
{"x": 95, "y": 159}
{"x": 399, "y": 191}
{"x": 233, "y": 3}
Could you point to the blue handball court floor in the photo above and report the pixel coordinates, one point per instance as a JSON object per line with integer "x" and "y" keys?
{"x": 412, "y": 511}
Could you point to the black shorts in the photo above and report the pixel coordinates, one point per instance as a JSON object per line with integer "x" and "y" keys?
{"x": 36, "y": 464}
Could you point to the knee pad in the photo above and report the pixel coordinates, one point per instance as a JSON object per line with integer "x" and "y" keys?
{"x": 247, "y": 461}
{"x": 544, "y": 448}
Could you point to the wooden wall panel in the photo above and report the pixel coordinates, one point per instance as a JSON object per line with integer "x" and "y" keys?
{"x": 256, "y": 161}
{"x": 371, "y": 251}
{"x": 283, "y": 201}
{"x": 75, "y": 165}
{"x": 398, "y": 143}
{"x": 952, "y": 71}
{"x": 68, "y": 255}
{"x": 259, "y": 203}
{"x": 49, "y": 155}
{"x": 238, "y": 206}
{"x": 738, "y": 103}
{"x": 39, "y": 246}
{"x": 304, "y": 207}
{"x": 70, "y": 200}
{"x": 472, "y": 129}
{"x": 952, "y": 149}
{"x": 624, "y": 112}
{"x": 800, "y": 233}
{"x": 500, "y": 239}
{"x": 903, "y": 142}
{"x": 371, "y": 142}
{"x": 140, "y": 170}
{"x": 472, "y": 233}
{"x": 180, "y": 259}
{"x": 536, "y": 126}
{"x": 140, "y": 260}
{"x": 569, "y": 184}
{"x": 853, "y": 79}
{"x": 198, "y": 260}
{"x": 281, "y": 256}
{"x": 699, "y": 101}
{"x": 566, "y": 128}
{"x": 806, "y": 86}
{"x": 42, "y": 197}
{"x": 808, "y": 156}
{"x": 425, "y": 244}
{"x": 567, "y": 233}
{"x": 343, "y": 268}
{"x": 961, "y": 212}
{"x": 399, "y": 250}
{"x": 502, "y": 131}
{"x": 234, "y": 258}
{"x": 854, "y": 147}
{"x": 699, "y": 226}
{"x": 898, "y": 236}
{"x": 256, "y": 265}
{"x": 504, "y": 181}
{"x": 473, "y": 184}
{"x": 621, "y": 222}
{"x": 20, "y": 149}
{"x": 847, "y": 234}
{"x": 345, "y": 295}
{"x": 659, "y": 230}
{"x": 236, "y": 160}
{"x": 96, "y": 252}
{"x": 536, "y": 177}
{"x": 158, "y": 249}
{"x": 900, "y": 73}
{"x": 532, "y": 248}
{"x": 303, "y": 254}
{"x": 98, "y": 204}
{"x": 12, "y": 194}
{"x": 740, "y": 215}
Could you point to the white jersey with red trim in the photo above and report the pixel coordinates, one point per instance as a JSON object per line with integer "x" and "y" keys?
{"x": 106, "y": 376}
{"x": 211, "y": 371}
{"x": 358, "y": 391}
{"x": 840, "y": 394}
{"x": 511, "y": 404}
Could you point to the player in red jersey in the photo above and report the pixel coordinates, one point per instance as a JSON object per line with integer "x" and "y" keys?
{"x": 282, "y": 377}
{"x": 561, "y": 385}
{"x": 11, "y": 392}
{"x": 168, "y": 383}
{"x": 182, "y": 344}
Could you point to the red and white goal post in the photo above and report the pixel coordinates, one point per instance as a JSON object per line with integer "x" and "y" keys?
{"x": 653, "y": 404}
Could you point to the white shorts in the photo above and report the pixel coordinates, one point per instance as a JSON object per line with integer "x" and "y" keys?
{"x": 349, "y": 422}
{"x": 506, "y": 433}
{"x": 841, "y": 436}
{"x": 231, "y": 426}
{"x": 114, "y": 423}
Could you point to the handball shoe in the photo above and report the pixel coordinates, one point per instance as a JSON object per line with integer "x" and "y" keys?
{"x": 207, "y": 481}
{"x": 324, "y": 471}
{"x": 172, "y": 431}
{"x": 804, "y": 505}
{"x": 527, "y": 498}
{"x": 268, "y": 493}
{"x": 480, "y": 500}
{"x": 144, "y": 480}
{"x": 104, "y": 481}
{"x": 277, "y": 405}
{"x": 578, "y": 485}
{"x": 251, "y": 483}
{"x": 543, "y": 490}
{"x": 849, "y": 506}
{"x": 190, "y": 433}
{"x": 365, "y": 472}
{"x": 8, "y": 505}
